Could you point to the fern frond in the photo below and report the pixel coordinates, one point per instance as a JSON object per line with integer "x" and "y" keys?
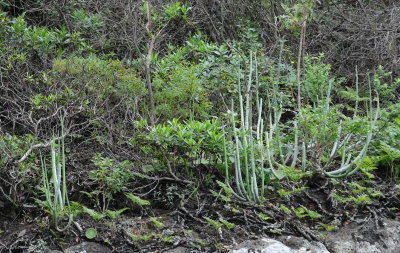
{"x": 137, "y": 200}
{"x": 351, "y": 94}
{"x": 226, "y": 188}
{"x": 392, "y": 152}
{"x": 368, "y": 164}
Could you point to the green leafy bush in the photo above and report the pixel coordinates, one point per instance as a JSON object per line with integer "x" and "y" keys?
{"x": 196, "y": 78}
{"x": 112, "y": 177}
{"x": 102, "y": 89}
{"x": 386, "y": 86}
{"x": 101, "y": 77}
{"x": 317, "y": 78}
{"x": 386, "y": 154}
{"x": 85, "y": 22}
{"x": 181, "y": 94}
{"x": 176, "y": 10}
{"x": 23, "y": 177}
{"x": 46, "y": 42}
{"x": 189, "y": 143}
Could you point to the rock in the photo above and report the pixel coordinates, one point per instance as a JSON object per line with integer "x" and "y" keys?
{"x": 268, "y": 245}
{"x": 88, "y": 247}
{"x": 303, "y": 245}
{"x": 84, "y": 247}
{"x": 263, "y": 245}
{"x": 365, "y": 237}
{"x": 357, "y": 237}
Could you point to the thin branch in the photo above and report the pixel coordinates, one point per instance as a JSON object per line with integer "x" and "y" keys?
{"x": 40, "y": 145}
{"x": 171, "y": 172}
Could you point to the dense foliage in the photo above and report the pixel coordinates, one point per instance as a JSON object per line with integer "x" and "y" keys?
{"x": 251, "y": 99}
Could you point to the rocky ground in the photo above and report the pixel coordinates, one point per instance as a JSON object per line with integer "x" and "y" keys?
{"x": 178, "y": 224}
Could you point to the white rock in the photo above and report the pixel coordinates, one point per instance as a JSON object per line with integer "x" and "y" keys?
{"x": 268, "y": 245}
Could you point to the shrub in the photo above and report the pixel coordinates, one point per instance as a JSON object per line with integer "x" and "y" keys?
{"x": 181, "y": 94}
{"x": 19, "y": 177}
{"x": 102, "y": 77}
{"x": 189, "y": 143}
{"x": 110, "y": 176}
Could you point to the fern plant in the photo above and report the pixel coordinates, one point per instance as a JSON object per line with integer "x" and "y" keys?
{"x": 388, "y": 156}
{"x": 114, "y": 214}
{"x": 387, "y": 153}
{"x": 214, "y": 223}
{"x": 137, "y": 200}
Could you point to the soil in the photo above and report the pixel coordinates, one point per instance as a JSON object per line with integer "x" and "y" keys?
{"x": 181, "y": 209}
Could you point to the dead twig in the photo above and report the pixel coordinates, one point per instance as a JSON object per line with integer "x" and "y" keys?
{"x": 170, "y": 170}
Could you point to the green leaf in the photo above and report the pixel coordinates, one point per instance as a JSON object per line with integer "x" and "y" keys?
{"x": 300, "y": 212}
{"x": 147, "y": 237}
{"x": 202, "y": 243}
{"x": 114, "y": 214}
{"x": 312, "y": 214}
{"x": 280, "y": 174}
{"x": 95, "y": 215}
{"x": 351, "y": 94}
{"x": 264, "y": 216}
{"x": 293, "y": 173}
{"x": 195, "y": 245}
{"x": 356, "y": 187}
{"x": 368, "y": 165}
{"x": 329, "y": 227}
{"x": 227, "y": 224}
{"x": 392, "y": 152}
{"x": 223, "y": 197}
{"x": 297, "y": 190}
{"x": 134, "y": 237}
{"x": 167, "y": 239}
{"x": 285, "y": 209}
{"x": 157, "y": 223}
{"x": 75, "y": 209}
{"x": 215, "y": 224}
{"x": 44, "y": 204}
{"x": 137, "y": 200}
{"x": 91, "y": 233}
{"x": 226, "y": 188}
{"x": 362, "y": 199}
{"x": 284, "y": 193}
{"x": 339, "y": 198}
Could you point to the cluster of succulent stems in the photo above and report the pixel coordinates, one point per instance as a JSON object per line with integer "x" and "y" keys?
{"x": 259, "y": 153}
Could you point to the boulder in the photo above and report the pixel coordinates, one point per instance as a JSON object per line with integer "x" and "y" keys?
{"x": 268, "y": 245}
